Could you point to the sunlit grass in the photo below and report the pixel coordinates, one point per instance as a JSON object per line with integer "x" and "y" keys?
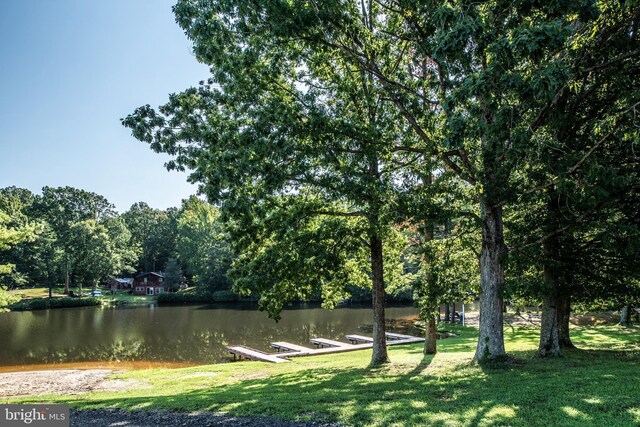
{"x": 596, "y": 385}
{"x": 37, "y": 292}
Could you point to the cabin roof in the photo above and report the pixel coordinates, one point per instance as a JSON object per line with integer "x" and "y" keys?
{"x": 155, "y": 273}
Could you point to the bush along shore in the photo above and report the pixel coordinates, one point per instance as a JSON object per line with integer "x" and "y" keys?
{"x": 200, "y": 298}
{"x": 45, "y": 303}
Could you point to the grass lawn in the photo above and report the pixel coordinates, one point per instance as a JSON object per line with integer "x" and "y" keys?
{"x": 124, "y": 297}
{"x": 598, "y": 385}
{"x": 57, "y": 291}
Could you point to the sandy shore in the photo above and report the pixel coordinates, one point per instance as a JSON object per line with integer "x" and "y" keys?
{"x": 62, "y": 381}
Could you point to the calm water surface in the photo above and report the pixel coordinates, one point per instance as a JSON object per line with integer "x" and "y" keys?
{"x": 187, "y": 334}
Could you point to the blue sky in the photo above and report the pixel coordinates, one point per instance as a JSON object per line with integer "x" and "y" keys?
{"x": 69, "y": 70}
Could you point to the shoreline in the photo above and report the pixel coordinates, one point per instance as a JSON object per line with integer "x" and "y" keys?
{"x": 130, "y": 365}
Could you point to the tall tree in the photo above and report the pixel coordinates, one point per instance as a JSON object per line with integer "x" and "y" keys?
{"x": 153, "y": 233}
{"x": 584, "y": 171}
{"x": 490, "y": 74}
{"x": 201, "y": 245}
{"x": 61, "y": 208}
{"x": 11, "y": 233}
{"x": 20, "y": 232}
{"x": 96, "y": 250}
{"x": 173, "y": 277}
{"x": 320, "y": 134}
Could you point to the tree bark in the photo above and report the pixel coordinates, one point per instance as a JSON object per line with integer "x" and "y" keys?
{"x": 549, "y": 339}
{"x": 430, "y": 335}
{"x": 564, "y": 313}
{"x": 379, "y": 354}
{"x": 491, "y": 334}
{"x": 447, "y": 313}
{"x": 453, "y": 312}
{"x": 625, "y": 316}
{"x": 549, "y": 345}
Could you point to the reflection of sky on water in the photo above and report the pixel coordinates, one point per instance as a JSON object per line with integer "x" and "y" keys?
{"x": 171, "y": 334}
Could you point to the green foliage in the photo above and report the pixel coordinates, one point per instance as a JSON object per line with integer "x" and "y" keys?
{"x": 586, "y": 171}
{"x": 14, "y": 224}
{"x": 199, "y": 297}
{"x": 15, "y": 229}
{"x": 202, "y": 246}
{"x": 446, "y": 270}
{"x": 153, "y": 235}
{"x": 46, "y": 303}
{"x": 98, "y": 250}
{"x": 179, "y": 297}
{"x": 173, "y": 278}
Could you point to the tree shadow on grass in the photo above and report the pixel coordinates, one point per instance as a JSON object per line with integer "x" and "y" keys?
{"x": 582, "y": 388}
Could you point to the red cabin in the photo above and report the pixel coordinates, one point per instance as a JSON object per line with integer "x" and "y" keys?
{"x": 151, "y": 283}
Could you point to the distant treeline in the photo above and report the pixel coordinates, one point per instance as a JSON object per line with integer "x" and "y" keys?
{"x": 72, "y": 237}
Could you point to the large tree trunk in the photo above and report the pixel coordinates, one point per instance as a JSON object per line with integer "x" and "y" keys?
{"x": 549, "y": 345}
{"x": 625, "y": 316}
{"x": 564, "y": 313}
{"x": 430, "y": 335}
{"x": 549, "y": 341}
{"x": 379, "y": 355}
{"x": 491, "y": 334}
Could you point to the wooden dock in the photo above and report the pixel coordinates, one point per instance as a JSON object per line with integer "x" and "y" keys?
{"x": 358, "y": 339}
{"x": 242, "y": 352}
{"x": 287, "y": 346}
{"x": 391, "y": 336}
{"x": 325, "y": 346}
{"x": 323, "y": 342}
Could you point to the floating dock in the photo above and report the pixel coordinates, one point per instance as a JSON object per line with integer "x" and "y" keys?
{"x": 358, "y": 339}
{"x": 324, "y": 346}
{"x": 322, "y": 343}
{"x": 287, "y": 346}
{"x": 242, "y": 352}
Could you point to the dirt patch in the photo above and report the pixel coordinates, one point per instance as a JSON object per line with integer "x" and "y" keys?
{"x": 71, "y": 381}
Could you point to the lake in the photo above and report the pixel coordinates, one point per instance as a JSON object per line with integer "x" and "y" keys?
{"x": 169, "y": 335}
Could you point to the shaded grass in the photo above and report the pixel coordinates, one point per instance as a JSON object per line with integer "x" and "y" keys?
{"x": 596, "y": 385}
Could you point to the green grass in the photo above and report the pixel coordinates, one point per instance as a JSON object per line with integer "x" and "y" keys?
{"x": 598, "y": 385}
{"x": 124, "y": 297}
{"x": 42, "y": 292}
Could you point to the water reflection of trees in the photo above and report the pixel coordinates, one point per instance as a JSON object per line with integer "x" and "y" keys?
{"x": 172, "y": 334}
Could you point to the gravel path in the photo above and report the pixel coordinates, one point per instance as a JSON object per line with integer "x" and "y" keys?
{"x": 118, "y": 417}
